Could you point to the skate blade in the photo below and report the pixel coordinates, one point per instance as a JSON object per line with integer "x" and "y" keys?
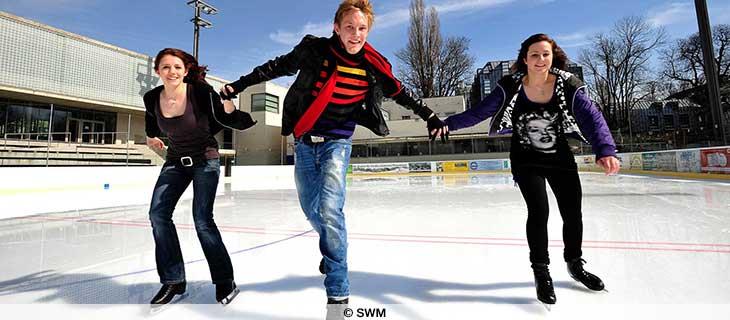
{"x": 158, "y": 308}
{"x": 230, "y": 297}
{"x": 548, "y": 307}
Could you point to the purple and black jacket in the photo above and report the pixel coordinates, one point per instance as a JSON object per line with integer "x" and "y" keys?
{"x": 582, "y": 119}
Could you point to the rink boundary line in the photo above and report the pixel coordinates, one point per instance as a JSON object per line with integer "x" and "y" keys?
{"x": 552, "y": 245}
{"x": 380, "y": 236}
{"x": 712, "y": 177}
{"x": 687, "y": 175}
{"x": 392, "y": 239}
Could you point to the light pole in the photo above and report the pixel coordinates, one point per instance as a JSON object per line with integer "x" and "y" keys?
{"x": 198, "y": 22}
{"x": 713, "y": 89}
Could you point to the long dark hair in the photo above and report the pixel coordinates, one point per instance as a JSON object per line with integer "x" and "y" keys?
{"x": 196, "y": 72}
{"x": 560, "y": 59}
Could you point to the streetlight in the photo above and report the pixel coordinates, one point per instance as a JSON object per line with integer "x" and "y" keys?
{"x": 200, "y": 5}
{"x": 713, "y": 89}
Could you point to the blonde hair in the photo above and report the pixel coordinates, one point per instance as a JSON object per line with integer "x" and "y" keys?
{"x": 363, "y": 5}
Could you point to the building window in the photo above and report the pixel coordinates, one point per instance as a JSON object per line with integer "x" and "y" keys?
{"x": 406, "y": 117}
{"x": 264, "y": 102}
{"x": 684, "y": 120}
{"x": 668, "y": 121}
{"x": 653, "y": 123}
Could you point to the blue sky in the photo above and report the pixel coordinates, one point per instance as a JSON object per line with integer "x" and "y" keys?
{"x": 247, "y": 33}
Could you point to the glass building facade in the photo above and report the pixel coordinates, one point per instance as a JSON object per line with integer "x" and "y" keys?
{"x": 29, "y": 120}
{"x": 92, "y": 83}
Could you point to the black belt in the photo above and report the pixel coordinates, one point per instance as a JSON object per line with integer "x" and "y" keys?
{"x": 188, "y": 161}
{"x": 310, "y": 139}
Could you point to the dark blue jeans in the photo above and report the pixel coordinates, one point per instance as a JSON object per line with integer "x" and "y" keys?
{"x": 171, "y": 184}
{"x": 319, "y": 171}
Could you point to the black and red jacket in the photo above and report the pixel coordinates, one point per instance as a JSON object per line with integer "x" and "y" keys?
{"x": 308, "y": 59}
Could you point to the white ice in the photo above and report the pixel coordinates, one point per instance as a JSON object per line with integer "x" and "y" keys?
{"x": 427, "y": 247}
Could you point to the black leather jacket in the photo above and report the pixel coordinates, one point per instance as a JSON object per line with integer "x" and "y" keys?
{"x": 206, "y": 103}
{"x": 307, "y": 58}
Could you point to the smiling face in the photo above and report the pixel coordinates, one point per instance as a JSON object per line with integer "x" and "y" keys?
{"x": 539, "y": 57}
{"x": 353, "y": 30}
{"x": 171, "y": 70}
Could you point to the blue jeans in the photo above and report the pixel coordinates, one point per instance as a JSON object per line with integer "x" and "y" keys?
{"x": 319, "y": 171}
{"x": 172, "y": 182}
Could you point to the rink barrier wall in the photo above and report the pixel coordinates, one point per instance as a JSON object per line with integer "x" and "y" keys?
{"x": 700, "y": 160}
{"x": 31, "y": 190}
{"x": 26, "y": 191}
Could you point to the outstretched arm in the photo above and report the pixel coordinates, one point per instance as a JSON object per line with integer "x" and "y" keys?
{"x": 393, "y": 88}
{"x": 225, "y": 113}
{"x": 486, "y": 108}
{"x": 285, "y": 65}
{"x": 594, "y": 127}
{"x": 436, "y": 128}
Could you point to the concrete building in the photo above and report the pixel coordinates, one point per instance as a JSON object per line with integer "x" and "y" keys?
{"x": 264, "y": 144}
{"x": 88, "y": 92}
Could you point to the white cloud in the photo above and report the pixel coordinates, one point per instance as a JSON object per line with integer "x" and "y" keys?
{"x": 571, "y": 37}
{"x": 672, "y": 13}
{"x": 292, "y": 38}
{"x": 468, "y": 5}
{"x": 572, "y": 40}
{"x": 385, "y": 20}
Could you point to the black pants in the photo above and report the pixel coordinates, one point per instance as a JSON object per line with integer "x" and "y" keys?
{"x": 566, "y": 187}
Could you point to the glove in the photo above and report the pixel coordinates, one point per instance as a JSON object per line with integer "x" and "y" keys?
{"x": 227, "y": 96}
{"x": 434, "y": 123}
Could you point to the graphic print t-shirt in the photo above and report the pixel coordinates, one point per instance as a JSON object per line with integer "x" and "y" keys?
{"x": 537, "y": 140}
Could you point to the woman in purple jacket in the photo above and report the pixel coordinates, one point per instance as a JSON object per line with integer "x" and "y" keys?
{"x": 542, "y": 105}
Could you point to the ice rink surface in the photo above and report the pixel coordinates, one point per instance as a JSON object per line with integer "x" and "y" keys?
{"x": 420, "y": 247}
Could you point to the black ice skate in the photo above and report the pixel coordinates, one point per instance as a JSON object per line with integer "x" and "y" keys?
{"x": 336, "y": 309}
{"x": 576, "y": 271}
{"x": 544, "y": 284}
{"x": 225, "y": 292}
{"x": 166, "y": 294}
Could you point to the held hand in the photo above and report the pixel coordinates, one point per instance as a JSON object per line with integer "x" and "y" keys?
{"x": 227, "y": 93}
{"x": 228, "y": 106}
{"x": 610, "y": 164}
{"x": 437, "y": 128}
{"x": 155, "y": 143}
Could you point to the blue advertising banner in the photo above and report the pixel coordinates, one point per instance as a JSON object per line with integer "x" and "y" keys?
{"x": 488, "y": 165}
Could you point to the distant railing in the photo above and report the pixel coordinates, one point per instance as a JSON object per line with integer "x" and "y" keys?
{"x": 95, "y": 138}
{"x": 67, "y": 136}
{"x": 100, "y": 137}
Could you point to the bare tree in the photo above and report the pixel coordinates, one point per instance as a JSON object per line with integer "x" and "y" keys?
{"x": 617, "y": 66}
{"x": 429, "y": 65}
{"x": 454, "y": 65}
{"x": 684, "y": 62}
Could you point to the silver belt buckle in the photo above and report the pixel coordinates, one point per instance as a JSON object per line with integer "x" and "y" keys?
{"x": 317, "y": 139}
{"x": 186, "y": 161}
